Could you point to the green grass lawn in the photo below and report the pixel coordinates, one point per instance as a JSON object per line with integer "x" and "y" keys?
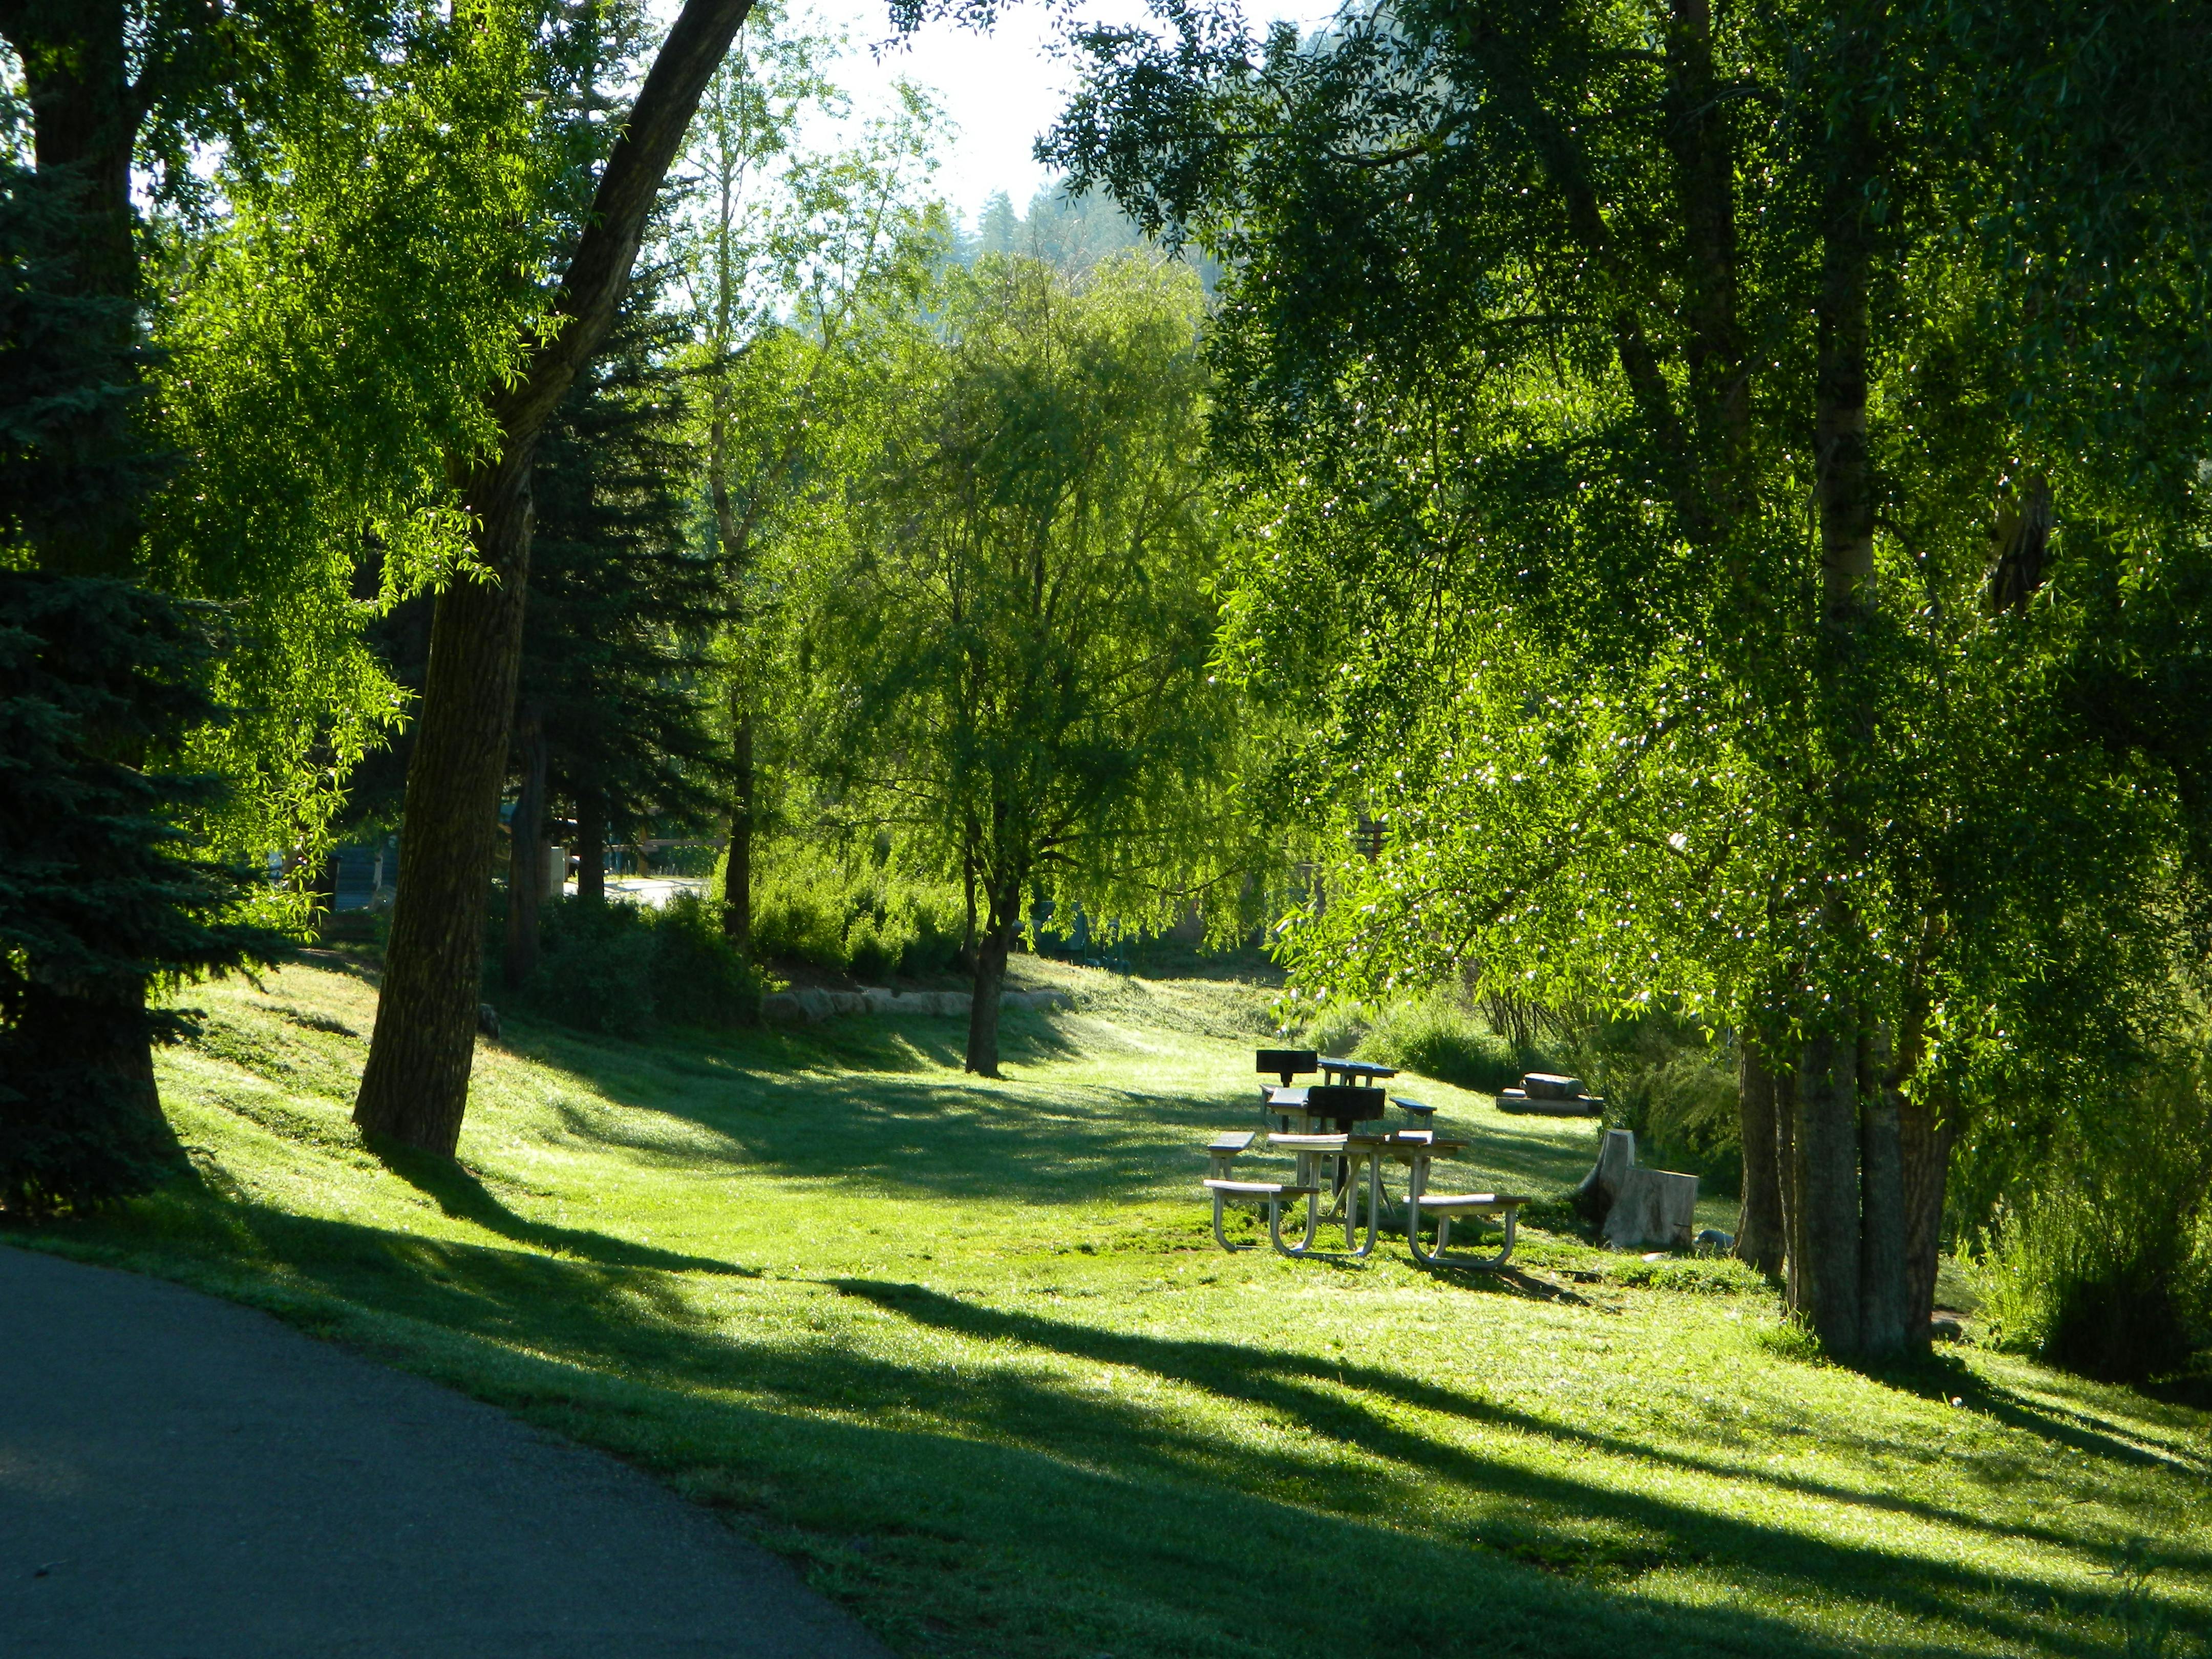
{"x": 966, "y": 1351}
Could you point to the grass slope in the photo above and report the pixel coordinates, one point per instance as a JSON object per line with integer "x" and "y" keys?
{"x": 965, "y": 1349}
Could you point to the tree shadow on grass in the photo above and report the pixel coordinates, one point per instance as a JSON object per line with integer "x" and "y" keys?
{"x": 461, "y": 1196}
{"x": 1285, "y": 1382}
{"x": 1944, "y": 1378}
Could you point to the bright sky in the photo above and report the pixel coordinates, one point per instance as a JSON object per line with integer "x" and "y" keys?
{"x": 1001, "y": 89}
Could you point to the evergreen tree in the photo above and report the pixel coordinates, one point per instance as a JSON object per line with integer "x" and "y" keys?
{"x": 615, "y": 712}
{"x": 100, "y": 681}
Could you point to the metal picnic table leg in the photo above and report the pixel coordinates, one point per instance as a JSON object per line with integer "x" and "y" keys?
{"x": 1361, "y": 1252}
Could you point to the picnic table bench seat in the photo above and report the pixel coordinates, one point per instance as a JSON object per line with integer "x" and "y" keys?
{"x": 1270, "y": 1193}
{"x": 1419, "y": 1111}
{"x": 1443, "y": 1206}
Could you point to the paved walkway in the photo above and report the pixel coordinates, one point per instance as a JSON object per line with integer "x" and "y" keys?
{"x": 184, "y": 1478}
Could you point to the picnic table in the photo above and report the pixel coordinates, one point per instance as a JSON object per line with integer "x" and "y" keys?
{"x": 1355, "y": 1071}
{"x": 1350, "y": 1104}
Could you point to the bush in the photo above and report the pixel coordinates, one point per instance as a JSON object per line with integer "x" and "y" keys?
{"x": 699, "y": 977}
{"x": 618, "y": 968}
{"x": 2106, "y": 1267}
{"x": 2064, "y": 1288}
{"x": 1439, "y": 1036}
{"x": 1337, "y": 1030}
{"x": 595, "y": 966}
{"x": 864, "y": 918}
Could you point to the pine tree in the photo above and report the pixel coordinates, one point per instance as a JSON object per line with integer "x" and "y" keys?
{"x": 100, "y": 681}
{"x": 615, "y": 707}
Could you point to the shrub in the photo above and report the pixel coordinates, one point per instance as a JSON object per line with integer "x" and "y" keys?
{"x": 699, "y": 977}
{"x": 1439, "y": 1036}
{"x": 2106, "y": 1267}
{"x": 2063, "y": 1288}
{"x": 1337, "y": 1030}
{"x": 864, "y": 917}
{"x": 595, "y": 966}
{"x": 618, "y": 968}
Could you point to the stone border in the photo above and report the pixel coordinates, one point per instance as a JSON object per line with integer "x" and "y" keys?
{"x": 813, "y": 1006}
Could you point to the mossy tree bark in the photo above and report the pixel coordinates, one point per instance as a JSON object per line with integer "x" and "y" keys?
{"x": 415, "y": 1086}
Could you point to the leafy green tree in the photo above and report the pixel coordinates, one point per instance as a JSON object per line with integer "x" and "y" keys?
{"x": 1664, "y": 485}
{"x": 1012, "y": 599}
{"x": 781, "y": 248}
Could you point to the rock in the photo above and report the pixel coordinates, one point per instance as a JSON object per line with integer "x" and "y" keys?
{"x": 1946, "y": 1328}
{"x": 847, "y": 1002}
{"x": 881, "y": 1001}
{"x": 1651, "y": 1207}
{"x": 1549, "y": 1086}
{"x": 487, "y": 1020}
{"x": 956, "y": 1004}
{"x": 814, "y": 1007}
{"x": 1711, "y": 1241}
{"x": 779, "y": 1007}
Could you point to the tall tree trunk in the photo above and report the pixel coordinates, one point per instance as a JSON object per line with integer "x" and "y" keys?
{"x": 525, "y": 864}
{"x": 1824, "y": 1276}
{"x": 1785, "y": 1170}
{"x": 1758, "y": 1238}
{"x": 591, "y": 844}
{"x": 415, "y": 1086}
{"x": 1883, "y": 1316}
{"x": 1925, "y": 1158}
{"x": 1926, "y": 1136}
{"x": 968, "y": 957}
{"x": 1832, "y": 1131}
{"x": 996, "y": 944}
{"x": 738, "y": 869}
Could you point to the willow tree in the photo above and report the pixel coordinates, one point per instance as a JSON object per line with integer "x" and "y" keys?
{"x": 1665, "y": 407}
{"x": 1012, "y": 599}
{"x": 781, "y": 249}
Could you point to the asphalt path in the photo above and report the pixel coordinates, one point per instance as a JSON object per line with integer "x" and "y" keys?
{"x": 182, "y": 1477}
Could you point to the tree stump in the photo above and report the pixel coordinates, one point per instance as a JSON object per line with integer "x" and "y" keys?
{"x": 1616, "y": 1157}
{"x": 1652, "y": 1208}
